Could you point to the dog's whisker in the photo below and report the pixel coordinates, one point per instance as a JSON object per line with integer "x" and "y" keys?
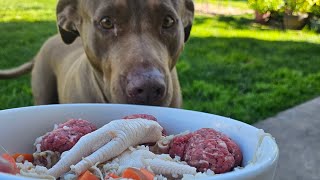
{"x": 4, "y": 149}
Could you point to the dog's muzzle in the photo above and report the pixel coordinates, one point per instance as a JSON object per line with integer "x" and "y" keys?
{"x": 146, "y": 87}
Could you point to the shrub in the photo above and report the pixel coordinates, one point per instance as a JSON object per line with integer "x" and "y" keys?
{"x": 315, "y": 9}
{"x": 288, "y": 6}
{"x": 299, "y": 6}
{"x": 264, "y": 6}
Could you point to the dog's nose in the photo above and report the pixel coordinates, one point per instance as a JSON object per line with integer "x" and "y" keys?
{"x": 145, "y": 87}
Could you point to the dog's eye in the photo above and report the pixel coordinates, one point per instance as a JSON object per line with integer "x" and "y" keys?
{"x": 106, "y": 23}
{"x": 168, "y": 22}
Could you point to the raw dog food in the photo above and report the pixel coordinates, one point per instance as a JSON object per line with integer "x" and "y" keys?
{"x": 205, "y": 152}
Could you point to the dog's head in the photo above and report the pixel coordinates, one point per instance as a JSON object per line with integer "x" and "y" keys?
{"x": 133, "y": 44}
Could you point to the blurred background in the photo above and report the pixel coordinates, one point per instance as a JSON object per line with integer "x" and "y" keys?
{"x": 246, "y": 59}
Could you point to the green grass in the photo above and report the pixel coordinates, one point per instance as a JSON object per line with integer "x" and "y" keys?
{"x": 24, "y": 26}
{"x": 27, "y": 10}
{"x": 247, "y": 73}
{"x": 230, "y": 66}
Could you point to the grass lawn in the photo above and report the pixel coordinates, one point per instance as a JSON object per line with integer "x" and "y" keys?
{"x": 230, "y": 66}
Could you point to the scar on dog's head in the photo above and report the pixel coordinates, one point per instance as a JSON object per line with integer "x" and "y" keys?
{"x": 134, "y": 44}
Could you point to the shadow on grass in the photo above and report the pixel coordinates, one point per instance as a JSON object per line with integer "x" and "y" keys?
{"x": 246, "y": 79}
{"x": 236, "y": 22}
{"x": 200, "y": 20}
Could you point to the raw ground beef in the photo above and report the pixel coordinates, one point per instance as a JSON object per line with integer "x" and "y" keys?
{"x": 178, "y": 145}
{"x": 145, "y": 116}
{"x": 66, "y": 135}
{"x": 207, "y": 149}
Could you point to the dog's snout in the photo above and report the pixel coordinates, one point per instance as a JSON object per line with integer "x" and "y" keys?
{"x": 145, "y": 87}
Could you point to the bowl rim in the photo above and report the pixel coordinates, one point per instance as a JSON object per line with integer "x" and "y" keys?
{"x": 252, "y": 170}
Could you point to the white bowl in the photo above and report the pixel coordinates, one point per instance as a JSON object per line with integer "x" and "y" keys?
{"x": 20, "y": 127}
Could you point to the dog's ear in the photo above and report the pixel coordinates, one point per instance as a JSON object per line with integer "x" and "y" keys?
{"x": 187, "y": 18}
{"x": 67, "y": 19}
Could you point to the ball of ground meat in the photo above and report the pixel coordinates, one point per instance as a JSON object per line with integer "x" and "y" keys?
{"x": 178, "y": 145}
{"x": 66, "y": 135}
{"x": 207, "y": 149}
{"x": 145, "y": 116}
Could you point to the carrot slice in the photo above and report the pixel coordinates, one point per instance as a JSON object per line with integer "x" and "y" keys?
{"x": 111, "y": 175}
{"x": 28, "y": 157}
{"x": 88, "y": 176}
{"x": 147, "y": 173}
{"x": 12, "y": 162}
{"x": 133, "y": 173}
{"x": 5, "y": 166}
{"x": 8, "y": 158}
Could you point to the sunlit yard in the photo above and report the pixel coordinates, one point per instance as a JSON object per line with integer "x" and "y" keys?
{"x": 230, "y": 66}
{"x": 240, "y": 4}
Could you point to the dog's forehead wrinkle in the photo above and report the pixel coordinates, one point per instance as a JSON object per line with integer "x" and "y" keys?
{"x": 100, "y": 8}
{"x": 163, "y": 4}
{"x": 139, "y": 15}
{"x": 153, "y": 3}
{"x": 91, "y": 7}
{"x": 175, "y": 3}
{"x": 120, "y": 3}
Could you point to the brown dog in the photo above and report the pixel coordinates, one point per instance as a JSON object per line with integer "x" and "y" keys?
{"x": 126, "y": 53}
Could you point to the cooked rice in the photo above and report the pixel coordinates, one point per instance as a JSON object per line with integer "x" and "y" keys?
{"x": 199, "y": 175}
{"x": 29, "y": 170}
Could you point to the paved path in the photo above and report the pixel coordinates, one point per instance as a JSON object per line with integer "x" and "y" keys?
{"x": 297, "y": 132}
{"x": 213, "y": 9}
